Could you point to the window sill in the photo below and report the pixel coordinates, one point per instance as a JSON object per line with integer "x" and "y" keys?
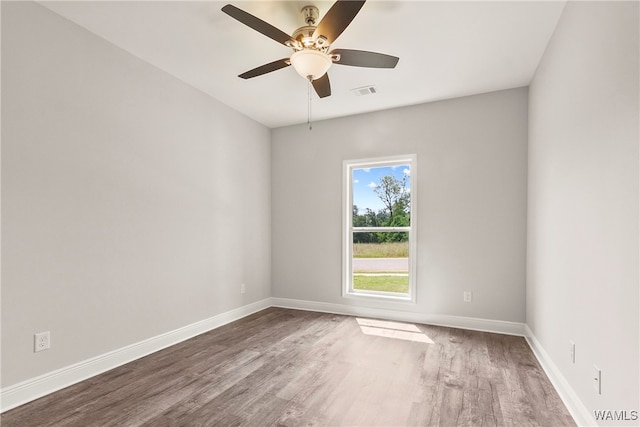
{"x": 380, "y": 296}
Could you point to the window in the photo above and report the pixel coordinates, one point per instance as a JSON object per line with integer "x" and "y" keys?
{"x": 379, "y": 228}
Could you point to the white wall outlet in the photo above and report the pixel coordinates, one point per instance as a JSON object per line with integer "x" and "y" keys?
{"x": 597, "y": 379}
{"x": 243, "y": 288}
{"x": 42, "y": 341}
{"x": 572, "y": 351}
{"x": 467, "y": 296}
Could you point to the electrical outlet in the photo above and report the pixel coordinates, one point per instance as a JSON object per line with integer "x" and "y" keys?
{"x": 243, "y": 288}
{"x": 42, "y": 341}
{"x": 572, "y": 351}
{"x": 597, "y": 379}
{"x": 466, "y": 296}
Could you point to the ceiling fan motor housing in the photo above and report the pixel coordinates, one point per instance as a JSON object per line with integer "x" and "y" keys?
{"x": 305, "y": 36}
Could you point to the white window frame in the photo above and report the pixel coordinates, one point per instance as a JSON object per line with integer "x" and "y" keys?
{"x": 348, "y": 229}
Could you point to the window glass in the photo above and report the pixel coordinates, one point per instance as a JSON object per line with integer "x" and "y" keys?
{"x": 378, "y": 243}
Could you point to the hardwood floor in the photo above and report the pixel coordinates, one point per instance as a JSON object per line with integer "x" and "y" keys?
{"x": 296, "y": 368}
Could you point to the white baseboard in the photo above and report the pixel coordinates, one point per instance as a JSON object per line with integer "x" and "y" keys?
{"x": 578, "y": 411}
{"x": 34, "y": 388}
{"x": 484, "y": 325}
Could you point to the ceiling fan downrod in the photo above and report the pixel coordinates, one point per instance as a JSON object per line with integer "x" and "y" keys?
{"x": 310, "y": 15}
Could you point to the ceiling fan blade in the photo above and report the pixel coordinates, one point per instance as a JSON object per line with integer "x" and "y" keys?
{"x": 258, "y": 24}
{"x": 322, "y": 86}
{"x": 362, "y": 58}
{"x": 266, "y": 68}
{"x": 337, "y": 18}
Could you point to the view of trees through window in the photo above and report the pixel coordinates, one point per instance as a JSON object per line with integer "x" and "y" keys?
{"x": 381, "y": 224}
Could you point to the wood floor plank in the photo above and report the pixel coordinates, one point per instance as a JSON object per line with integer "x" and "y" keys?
{"x": 284, "y": 367}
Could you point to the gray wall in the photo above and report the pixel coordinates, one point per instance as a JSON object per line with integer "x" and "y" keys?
{"x": 582, "y": 269}
{"x": 132, "y": 204}
{"x": 472, "y": 162}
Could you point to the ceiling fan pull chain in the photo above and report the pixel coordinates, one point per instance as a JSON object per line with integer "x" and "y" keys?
{"x": 309, "y": 102}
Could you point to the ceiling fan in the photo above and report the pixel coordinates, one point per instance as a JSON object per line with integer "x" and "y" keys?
{"x": 311, "y": 43}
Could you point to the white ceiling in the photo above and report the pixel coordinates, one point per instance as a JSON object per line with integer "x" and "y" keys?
{"x": 447, "y": 49}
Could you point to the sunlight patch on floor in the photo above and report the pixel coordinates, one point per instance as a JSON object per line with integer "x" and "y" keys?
{"x": 396, "y": 330}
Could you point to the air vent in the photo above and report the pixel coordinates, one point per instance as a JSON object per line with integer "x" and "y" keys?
{"x": 365, "y": 90}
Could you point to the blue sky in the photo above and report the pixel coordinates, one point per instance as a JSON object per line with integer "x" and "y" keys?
{"x": 366, "y": 179}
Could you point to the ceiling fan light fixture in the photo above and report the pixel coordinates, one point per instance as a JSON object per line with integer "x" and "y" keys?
{"x": 311, "y": 63}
